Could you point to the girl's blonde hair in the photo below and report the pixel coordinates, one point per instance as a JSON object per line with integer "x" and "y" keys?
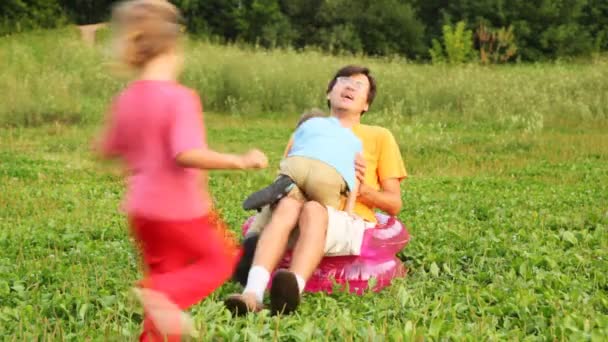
{"x": 145, "y": 29}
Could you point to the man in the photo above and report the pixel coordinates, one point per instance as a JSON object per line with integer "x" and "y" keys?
{"x": 324, "y": 230}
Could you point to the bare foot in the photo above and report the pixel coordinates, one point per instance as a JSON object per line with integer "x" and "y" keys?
{"x": 167, "y": 317}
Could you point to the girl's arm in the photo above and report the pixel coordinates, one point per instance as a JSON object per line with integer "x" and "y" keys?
{"x": 211, "y": 160}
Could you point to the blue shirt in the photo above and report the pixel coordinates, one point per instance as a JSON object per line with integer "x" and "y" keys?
{"x": 325, "y": 139}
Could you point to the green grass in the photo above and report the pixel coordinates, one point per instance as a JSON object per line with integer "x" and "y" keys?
{"x": 52, "y": 76}
{"x": 507, "y": 199}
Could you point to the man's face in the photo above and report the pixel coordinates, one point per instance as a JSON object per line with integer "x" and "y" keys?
{"x": 350, "y": 93}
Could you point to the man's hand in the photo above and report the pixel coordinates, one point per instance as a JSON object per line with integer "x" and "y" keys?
{"x": 388, "y": 199}
{"x": 360, "y": 166}
{"x": 365, "y": 189}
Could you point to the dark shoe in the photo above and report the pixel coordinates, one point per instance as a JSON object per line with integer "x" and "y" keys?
{"x": 284, "y": 293}
{"x": 241, "y": 271}
{"x": 241, "y": 304}
{"x": 270, "y": 194}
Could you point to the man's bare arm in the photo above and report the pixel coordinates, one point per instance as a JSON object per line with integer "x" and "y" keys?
{"x": 388, "y": 199}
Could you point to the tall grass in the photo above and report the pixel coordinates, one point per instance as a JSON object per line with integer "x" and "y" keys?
{"x": 52, "y": 76}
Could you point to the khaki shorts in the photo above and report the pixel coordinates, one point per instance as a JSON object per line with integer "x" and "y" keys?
{"x": 344, "y": 232}
{"x": 315, "y": 181}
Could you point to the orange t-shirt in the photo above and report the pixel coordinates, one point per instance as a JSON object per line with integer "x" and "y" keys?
{"x": 383, "y": 161}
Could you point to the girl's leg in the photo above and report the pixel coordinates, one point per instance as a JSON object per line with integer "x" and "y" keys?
{"x": 212, "y": 258}
{"x": 158, "y": 258}
{"x": 187, "y": 260}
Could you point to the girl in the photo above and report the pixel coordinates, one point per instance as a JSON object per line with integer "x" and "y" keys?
{"x": 156, "y": 127}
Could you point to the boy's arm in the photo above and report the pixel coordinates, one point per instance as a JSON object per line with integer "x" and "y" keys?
{"x": 352, "y": 198}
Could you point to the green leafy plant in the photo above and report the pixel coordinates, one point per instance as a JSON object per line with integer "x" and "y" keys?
{"x": 456, "y": 46}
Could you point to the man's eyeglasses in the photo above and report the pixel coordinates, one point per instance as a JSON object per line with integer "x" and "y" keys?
{"x": 357, "y": 85}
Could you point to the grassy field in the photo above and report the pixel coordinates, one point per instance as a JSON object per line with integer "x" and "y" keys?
{"x": 507, "y": 199}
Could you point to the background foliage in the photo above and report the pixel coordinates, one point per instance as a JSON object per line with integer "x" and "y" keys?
{"x": 543, "y": 29}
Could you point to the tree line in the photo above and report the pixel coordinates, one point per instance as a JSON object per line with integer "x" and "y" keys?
{"x": 491, "y": 30}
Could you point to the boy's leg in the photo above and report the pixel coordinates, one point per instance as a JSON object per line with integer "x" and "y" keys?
{"x": 270, "y": 194}
{"x": 260, "y": 220}
{"x": 293, "y": 171}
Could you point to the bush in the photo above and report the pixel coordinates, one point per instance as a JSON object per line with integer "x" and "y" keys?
{"x": 544, "y": 29}
{"x": 24, "y": 15}
{"x": 457, "y": 45}
{"x": 495, "y": 45}
{"x": 395, "y": 31}
{"x": 84, "y": 12}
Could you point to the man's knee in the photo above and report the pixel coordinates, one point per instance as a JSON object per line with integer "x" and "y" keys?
{"x": 284, "y": 216}
{"x": 313, "y": 217}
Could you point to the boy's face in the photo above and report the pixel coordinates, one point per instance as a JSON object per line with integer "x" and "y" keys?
{"x": 350, "y": 93}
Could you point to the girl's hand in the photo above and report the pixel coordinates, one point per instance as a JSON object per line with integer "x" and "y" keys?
{"x": 254, "y": 159}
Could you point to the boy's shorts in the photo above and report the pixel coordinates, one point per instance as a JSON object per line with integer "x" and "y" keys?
{"x": 315, "y": 181}
{"x": 321, "y": 183}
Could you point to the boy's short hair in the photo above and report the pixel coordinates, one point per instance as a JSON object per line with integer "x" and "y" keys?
{"x": 313, "y": 113}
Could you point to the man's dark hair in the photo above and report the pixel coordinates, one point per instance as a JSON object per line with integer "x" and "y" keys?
{"x": 351, "y": 70}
